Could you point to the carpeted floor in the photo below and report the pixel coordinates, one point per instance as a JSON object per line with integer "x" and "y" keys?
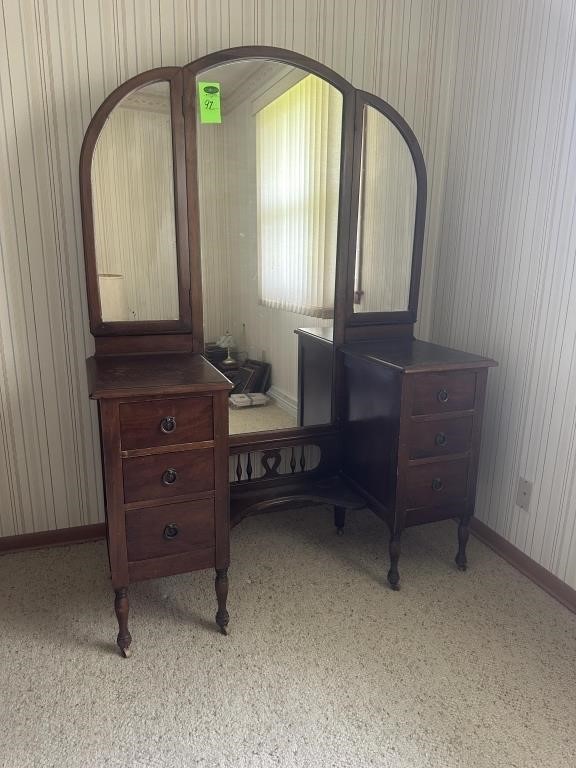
{"x": 324, "y": 666}
{"x": 259, "y": 419}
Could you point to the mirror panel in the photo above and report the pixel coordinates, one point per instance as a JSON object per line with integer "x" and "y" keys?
{"x": 269, "y": 186}
{"x": 386, "y": 218}
{"x": 133, "y": 204}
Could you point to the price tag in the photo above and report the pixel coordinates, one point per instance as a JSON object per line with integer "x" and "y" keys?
{"x": 209, "y": 100}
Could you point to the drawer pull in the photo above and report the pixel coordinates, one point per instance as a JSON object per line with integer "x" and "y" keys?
{"x": 437, "y": 484}
{"x": 171, "y": 531}
{"x": 169, "y": 477}
{"x": 168, "y": 424}
{"x": 441, "y": 439}
{"x": 442, "y": 396}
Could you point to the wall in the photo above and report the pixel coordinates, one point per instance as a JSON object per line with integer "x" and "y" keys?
{"x": 506, "y": 284}
{"x": 58, "y": 60}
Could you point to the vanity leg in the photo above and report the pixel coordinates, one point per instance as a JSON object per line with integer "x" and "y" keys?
{"x": 221, "y": 584}
{"x": 394, "y": 550}
{"x": 339, "y": 519}
{"x": 463, "y": 535}
{"x": 121, "y": 606}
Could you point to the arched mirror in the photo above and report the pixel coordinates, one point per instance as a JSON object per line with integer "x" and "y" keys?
{"x": 269, "y": 147}
{"x": 386, "y": 217}
{"x": 134, "y": 217}
{"x": 134, "y": 209}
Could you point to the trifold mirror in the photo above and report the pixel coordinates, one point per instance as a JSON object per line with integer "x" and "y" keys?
{"x": 240, "y": 199}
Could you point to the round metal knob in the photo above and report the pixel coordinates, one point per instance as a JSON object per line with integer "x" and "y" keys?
{"x": 169, "y": 476}
{"x": 171, "y": 531}
{"x": 440, "y": 439}
{"x": 168, "y": 424}
{"x": 442, "y": 396}
{"x": 437, "y": 484}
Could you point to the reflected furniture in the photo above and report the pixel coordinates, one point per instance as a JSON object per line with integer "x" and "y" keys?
{"x": 196, "y": 224}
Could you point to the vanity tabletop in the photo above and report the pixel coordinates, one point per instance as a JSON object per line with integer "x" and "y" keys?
{"x": 159, "y": 374}
{"x": 414, "y": 356}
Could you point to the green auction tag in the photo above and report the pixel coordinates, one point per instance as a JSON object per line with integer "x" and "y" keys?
{"x": 209, "y": 99}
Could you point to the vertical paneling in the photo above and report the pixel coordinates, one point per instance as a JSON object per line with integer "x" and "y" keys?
{"x": 58, "y": 60}
{"x": 505, "y": 283}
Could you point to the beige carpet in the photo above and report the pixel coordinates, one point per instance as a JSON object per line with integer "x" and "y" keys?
{"x": 261, "y": 418}
{"x": 324, "y": 665}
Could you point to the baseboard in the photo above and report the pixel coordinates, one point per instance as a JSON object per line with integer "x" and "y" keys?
{"x": 285, "y": 401}
{"x": 76, "y": 535}
{"x": 530, "y": 568}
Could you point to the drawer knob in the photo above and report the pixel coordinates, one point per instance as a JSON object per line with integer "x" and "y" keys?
{"x": 168, "y": 424}
{"x": 437, "y": 484}
{"x": 169, "y": 476}
{"x": 440, "y": 439}
{"x": 171, "y": 531}
{"x": 442, "y": 395}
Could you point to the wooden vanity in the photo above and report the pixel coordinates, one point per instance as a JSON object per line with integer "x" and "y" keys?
{"x": 206, "y": 215}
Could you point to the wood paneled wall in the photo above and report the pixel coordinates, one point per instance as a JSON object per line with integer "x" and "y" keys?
{"x": 506, "y": 283}
{"x": 58, "y": 60}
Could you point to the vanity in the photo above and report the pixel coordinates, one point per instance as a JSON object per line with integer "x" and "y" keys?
{"x": 257, "y": 200}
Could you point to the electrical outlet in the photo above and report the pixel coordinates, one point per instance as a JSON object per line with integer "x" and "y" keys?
{"x": 524, "y": 493}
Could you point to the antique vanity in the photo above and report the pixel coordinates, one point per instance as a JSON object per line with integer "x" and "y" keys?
{"x": 256, "y": 204}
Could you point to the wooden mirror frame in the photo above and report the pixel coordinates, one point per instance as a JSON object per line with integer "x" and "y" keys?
{"x": 98, "y": 327}
{"x": 187, "y": 334}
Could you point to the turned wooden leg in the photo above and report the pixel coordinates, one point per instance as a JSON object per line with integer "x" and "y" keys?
{"x": 463, "y": 535}
{"x": 339, "y": 519}
{"x": 121, "y": 606}
{"x": 394, "y": 549}
{"x": 221, "y": 584}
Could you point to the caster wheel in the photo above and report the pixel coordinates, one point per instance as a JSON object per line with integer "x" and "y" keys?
{"x": 462, "y": 567}
{"x": 395, "y": 587}
{"x": 223, "y": 631}
{"x": 340, "y": 531}
{"x": 126, "y": 652}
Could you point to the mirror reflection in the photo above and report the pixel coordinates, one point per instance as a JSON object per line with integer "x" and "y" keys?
{"x": 269, "y": 145}
{"x": 386, "y": 214}
{"x": 133, "y": 203}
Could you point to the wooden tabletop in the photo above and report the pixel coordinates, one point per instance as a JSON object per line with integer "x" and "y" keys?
{"x": 166, "y": 374}
{"x": 413, "y": 356}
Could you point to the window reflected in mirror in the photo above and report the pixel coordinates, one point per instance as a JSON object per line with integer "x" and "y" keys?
{"x": 269, "y": 146}
{"x": 386, "y": 217}
{"x": 133, "y": 204}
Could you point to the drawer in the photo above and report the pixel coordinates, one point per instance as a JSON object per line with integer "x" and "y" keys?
{"x": 439, "y": 437}
{"x": 436, "y": 483}
{"x": 443, "y": 392}
{"x": 165, "y": 422}
{"x": 164, "y": 475}
{"x": 170, "y": 530}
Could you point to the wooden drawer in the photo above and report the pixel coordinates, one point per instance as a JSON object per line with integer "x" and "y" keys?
{"x": 165, "y": 475}
{"x": 170, "y": 530}
{"x": 436, "y": 483}
{"x": 156, "y": 423}
{"x": 439, "y": 437}
{"x": 444, "y": 392}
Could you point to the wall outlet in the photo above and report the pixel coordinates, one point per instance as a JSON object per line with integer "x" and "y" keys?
{"x": 524, "y": 493}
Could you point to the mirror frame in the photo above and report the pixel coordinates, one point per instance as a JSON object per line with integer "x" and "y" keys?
{"x": 99, "y": 327}
{"x": 229, "y": 56}
{"x": 365, "y": 99}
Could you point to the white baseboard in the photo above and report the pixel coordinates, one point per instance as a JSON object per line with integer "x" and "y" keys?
{"x": 284, "y": 401}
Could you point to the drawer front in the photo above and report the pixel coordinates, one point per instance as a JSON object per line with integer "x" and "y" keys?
{"x": 437, "y": 483}
{"x": 443, "y": 392}
{"x": 439, "y": 437}
{"x": 166, "y": 422}
{"x": 170, "y": 530}
{"x": 165, "y": 475}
